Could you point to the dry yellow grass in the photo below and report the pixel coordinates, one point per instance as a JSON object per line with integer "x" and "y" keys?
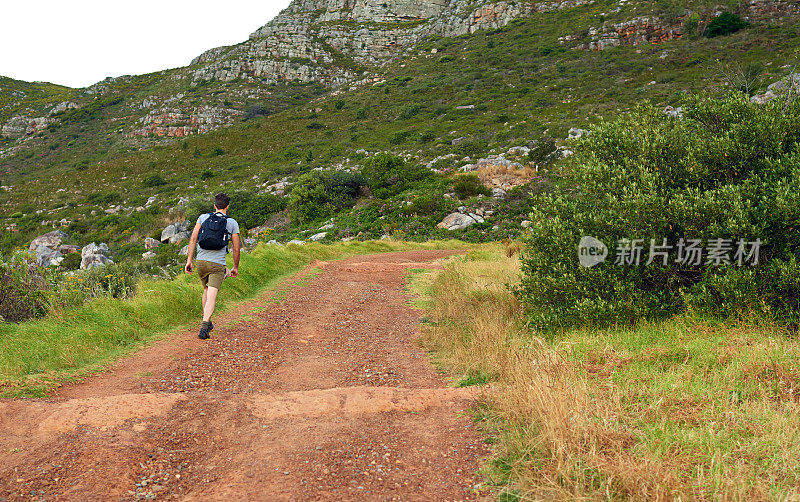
{"x": 498, "y": 175}
{"x": 609, "y": 415}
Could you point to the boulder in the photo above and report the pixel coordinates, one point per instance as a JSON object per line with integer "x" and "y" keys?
{"x": 150, "y": 243}
{"x": 69, "y": 249}
{"x": 329, "y": 226}
{"x": 459, "y": 221}
{"x": 50, "y": 240}
{"x": 575, "y": 133}
{"x": 175, "y": 232}
{"x": 46, "y": 256}
{"x": 148, "y": 255}
{"x": 94, "y": 261}
{"x": 787, "y": 85}
{"x": 95, "y": 255}
{"x": 498, "y": 193}
{"x": 184, "y": 251}
{"x": 518, "y": 151}
{"x": 525, "y": 224}
{"x": 318, "y": 237}
{"x": 295, "y": 241}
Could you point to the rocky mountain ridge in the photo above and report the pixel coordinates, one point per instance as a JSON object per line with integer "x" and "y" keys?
{"x": 338, "y": 44}
{"x": 338, "y": 41}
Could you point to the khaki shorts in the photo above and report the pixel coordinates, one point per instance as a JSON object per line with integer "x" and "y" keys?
{"x": 211, "y": 274}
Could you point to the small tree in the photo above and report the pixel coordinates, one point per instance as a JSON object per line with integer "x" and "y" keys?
{"x": 308, "y": 200}
{"x": 725, "y": 24}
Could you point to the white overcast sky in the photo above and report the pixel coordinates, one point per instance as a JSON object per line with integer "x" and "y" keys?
{"x": 80, "y": 42}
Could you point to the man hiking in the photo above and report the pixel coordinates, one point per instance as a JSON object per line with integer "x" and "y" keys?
{"x": 211, "y": 235}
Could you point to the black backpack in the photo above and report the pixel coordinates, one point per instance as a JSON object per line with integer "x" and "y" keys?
{"x": 213, "y": 234}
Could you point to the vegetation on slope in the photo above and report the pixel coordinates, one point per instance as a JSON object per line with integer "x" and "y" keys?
{"x": 524, "y": 84}
{"x": 725, "y": 176}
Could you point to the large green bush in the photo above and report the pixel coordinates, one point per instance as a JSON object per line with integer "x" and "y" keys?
{"x": 469, "y": 185}
{"x": 390, "y": 175}
{"x": 729, "y": 169}
{"x": 725, "y": 24}
{"x": 318, "y": 194}
{"x": 254, "y": 210}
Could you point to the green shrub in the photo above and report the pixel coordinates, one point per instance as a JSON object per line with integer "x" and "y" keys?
{"x": 253, "y": 211}
{"x": 469, "y": 186}
{"x": 23, "y": 288}
{"x": 101, "y": 198}
{"x": 309, "y": 201}
{"x": 424, "y": 205}
{"x": 427, "y": 136}
{"x": 315, "y": 126}
{"x": 471, "y": 147}
{"x": 254, "y": 111}
{"x": 71, "y": 261}
{"x": 543, "y": 153}
{"x": 319, "y": 194}
{"x": 400, "y": 137}
{"x": 725, "y": 24}
{"x": 389, "y": 174}
{"x": 207, "y": 174}
{"x": 154, "y": 180}
{"x": 729, "y": 170}
{"x": 17, "y": 215}
{"x": 410, "y": 110}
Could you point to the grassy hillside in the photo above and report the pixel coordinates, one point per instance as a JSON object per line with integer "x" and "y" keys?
{"x": 525, "y": 86}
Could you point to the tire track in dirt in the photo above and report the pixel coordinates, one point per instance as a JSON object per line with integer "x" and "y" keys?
{"x": 318, "y": 394}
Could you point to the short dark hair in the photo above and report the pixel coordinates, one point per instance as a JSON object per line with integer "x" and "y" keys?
{"x": 221, "y": 201}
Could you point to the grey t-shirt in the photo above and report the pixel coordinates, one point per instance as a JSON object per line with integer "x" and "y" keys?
{"x": 216, "y": 256}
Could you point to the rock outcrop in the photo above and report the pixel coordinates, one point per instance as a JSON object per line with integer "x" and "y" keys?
{"x": 95, "y": 255}
{"x": 337, "y": 42}
{"x": 20, "y": 125}
{"x": 460, "y": 220}
{"x": 175, "y": 232}
{"x": 48, "y": 248}
{"x": 51, "y": 240}
{"x": 173, "y": 122}
{"x": 783, "y": 87}
{"x": 150, "y": 243}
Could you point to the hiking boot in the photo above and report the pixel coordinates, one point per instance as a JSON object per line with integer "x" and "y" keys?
{"x": 204, "y": 334}
{"x": 210, "y": 326}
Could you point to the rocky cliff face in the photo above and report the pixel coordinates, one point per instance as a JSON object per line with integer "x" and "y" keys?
{"x": 337, "y": 42}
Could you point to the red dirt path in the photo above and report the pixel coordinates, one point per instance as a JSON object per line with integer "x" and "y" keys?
{"x": 319, "y": 393}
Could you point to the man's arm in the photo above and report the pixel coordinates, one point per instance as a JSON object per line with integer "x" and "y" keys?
{"x": 189, "y": 268}
{"x": 237, "y": 247}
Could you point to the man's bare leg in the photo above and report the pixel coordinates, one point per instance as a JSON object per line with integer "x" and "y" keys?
{"x": 210, "y": 303}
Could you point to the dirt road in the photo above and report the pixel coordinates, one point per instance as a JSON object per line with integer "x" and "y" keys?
{"x": 317, "y": 393}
